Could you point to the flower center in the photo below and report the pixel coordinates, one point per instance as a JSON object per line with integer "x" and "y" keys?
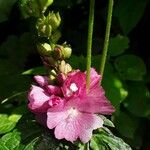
{"x": 73, "y": 87}
{"x": 72, "y": 112}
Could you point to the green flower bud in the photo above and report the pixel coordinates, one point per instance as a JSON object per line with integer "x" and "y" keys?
{"x": 52, "y": 77}
{"x": 47, "y": 25}
{"x": 62, "y": 52}
{"x": 66, "y": 52}
{"x": 44, "y": 29}
{"x": 44, "y": 49}
{"x": 64, "y": 67}
{"x": 57, "y": 54}
{"x": 54, "y": 20}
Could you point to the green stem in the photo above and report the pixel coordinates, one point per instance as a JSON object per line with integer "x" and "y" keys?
{"x": 107, "y": 34}
{"x": 89, "y": 42}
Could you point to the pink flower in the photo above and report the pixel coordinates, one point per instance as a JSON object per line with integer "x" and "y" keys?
{"x": 76, "y": 117}
{"x": 70, "y": 123}
{"x": 40, "y": 99}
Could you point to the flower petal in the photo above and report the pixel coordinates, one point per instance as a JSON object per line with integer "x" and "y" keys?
{"x": 54, "y": 118}
{"x": 95, "y": 102}
{"x": 89, "y": 122}
{"x": 80, "y": 126}
{"x": 56, "y": 114}
{"x": 68, "y": 130}
{"x": 41, "y": 80}
{"x": 38, "y": 99}
{"x": 94, "y": 78}
{"x": 54, "y": 90}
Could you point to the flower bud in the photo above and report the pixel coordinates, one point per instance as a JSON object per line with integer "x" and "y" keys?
{"x": 66, "y": 52}
{"x": 54, "y": 20}
{"x": 64, "y": 67}
{"x": 52, "y": 76}
{"x": 49, "y": 61}
{"x": 44, "y": 29}
{"x": 46, "y": 25}
{"x": 57, "y": 53}
{"x": 62, "y": 52}
{"x": 44, "y": 49}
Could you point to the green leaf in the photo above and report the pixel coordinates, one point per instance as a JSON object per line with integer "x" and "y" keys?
{"x": 97, "y": 144}
{"x": 10, "y": 141}
{"x": 30, "y": 146}
{"x": 138, "y": 101}
{"x": 29, "y": 128}
{"x": 129, "y": 12}
{"x": 6, "y": 124}
{"x": 126, "y": 124}
{"x": 77, "y": 62}
{"x": 108, "y": 141}
{"x": 130, "y": 67}
{"x": 115, "y": 143}
{"x": 17, "y": 83}
{"x": 14, "y": 52}
{"x": 107, "y": 122}
{"x": 14, "y": 117}
{"x": 118, "y": 45}
{"x": 34, "y": 71}
{"x": 5, "y": 9}
{"x": 114, "y": 87}
{"x": 16, "y": 49}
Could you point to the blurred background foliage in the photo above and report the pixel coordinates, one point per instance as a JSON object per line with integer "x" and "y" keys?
{"x": 126, "y": 78}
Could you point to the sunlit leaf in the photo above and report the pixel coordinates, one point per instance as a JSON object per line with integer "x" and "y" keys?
{"x": 111, "y": 142}
{"x": 10, "y": 141}
{"x": 97, "y": 144}
{"x": 6, "y": 125}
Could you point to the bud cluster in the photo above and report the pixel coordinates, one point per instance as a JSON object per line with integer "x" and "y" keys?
{"x": 47, "y": 26}
{"x": 34, "y": 8}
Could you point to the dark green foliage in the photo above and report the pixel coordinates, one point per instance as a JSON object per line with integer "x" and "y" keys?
{"x": 126, "y": 77}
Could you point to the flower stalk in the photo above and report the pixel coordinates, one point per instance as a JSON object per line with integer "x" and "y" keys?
{"x": 89, "y": 41}
{"x": 107, "y": 34}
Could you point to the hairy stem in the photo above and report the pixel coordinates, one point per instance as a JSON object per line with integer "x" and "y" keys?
{"x": 89, "y": 42}
{"x": 107, "y": 34}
